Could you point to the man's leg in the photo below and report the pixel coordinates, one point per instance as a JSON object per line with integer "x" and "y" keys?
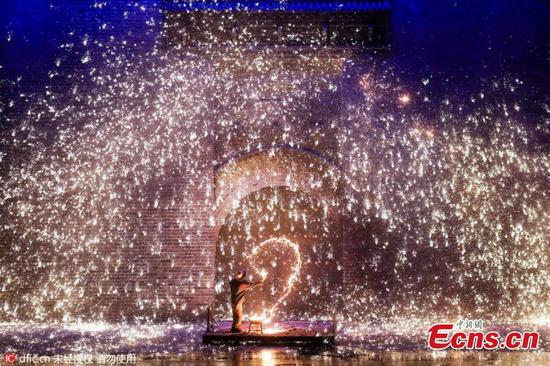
{"x": 237, "y": 318}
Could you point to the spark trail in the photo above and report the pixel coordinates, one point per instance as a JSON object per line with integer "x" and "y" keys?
{"x": 270, "y": 246}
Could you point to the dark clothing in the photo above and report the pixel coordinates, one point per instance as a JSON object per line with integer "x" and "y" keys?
{"x": 239, "y": 287}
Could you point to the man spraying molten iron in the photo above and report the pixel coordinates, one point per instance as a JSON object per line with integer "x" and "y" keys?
{"x": 239, "y": 287}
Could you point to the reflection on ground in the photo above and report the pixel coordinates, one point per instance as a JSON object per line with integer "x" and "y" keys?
{"x": 343, "y": 356}
{"x": 171, "y": 344}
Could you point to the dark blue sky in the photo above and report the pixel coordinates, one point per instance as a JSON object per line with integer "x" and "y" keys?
{"x": 464, "y": 39}
{"x": 474, "y": 36}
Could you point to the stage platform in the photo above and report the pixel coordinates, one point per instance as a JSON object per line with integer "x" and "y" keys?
{"x": 287, "y": 333}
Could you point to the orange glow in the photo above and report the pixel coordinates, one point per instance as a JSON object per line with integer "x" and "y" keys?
{"x": 404, "y": 99}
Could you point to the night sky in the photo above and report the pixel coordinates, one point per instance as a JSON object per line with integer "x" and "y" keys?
{"x": 462, "y": 38}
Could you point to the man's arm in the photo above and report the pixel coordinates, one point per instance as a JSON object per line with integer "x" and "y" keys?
{"x": 253, "y": 285}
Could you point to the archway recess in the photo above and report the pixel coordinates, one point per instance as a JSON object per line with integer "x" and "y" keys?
{"x": 296, "y": 169}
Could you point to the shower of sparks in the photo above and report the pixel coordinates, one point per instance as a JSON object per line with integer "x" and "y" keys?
{"x": 271, "y": 245}
{"x": 447, "y": 214}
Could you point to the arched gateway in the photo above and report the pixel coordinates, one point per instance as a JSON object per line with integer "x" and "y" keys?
{"x": 276, "y": 196}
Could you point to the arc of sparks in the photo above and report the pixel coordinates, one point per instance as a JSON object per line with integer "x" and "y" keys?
{"x": 267, "y": 316}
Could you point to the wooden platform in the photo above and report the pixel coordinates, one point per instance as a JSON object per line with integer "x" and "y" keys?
{"x": 288, "y": 333}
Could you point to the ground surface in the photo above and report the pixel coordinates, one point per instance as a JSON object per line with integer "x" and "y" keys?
{"x": 369, "y": 344}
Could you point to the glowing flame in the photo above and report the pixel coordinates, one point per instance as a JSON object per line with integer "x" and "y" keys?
{"x": 404, "y": 99}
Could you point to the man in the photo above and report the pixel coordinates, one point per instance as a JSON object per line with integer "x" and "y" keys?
{"x": 239, "y": 287}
